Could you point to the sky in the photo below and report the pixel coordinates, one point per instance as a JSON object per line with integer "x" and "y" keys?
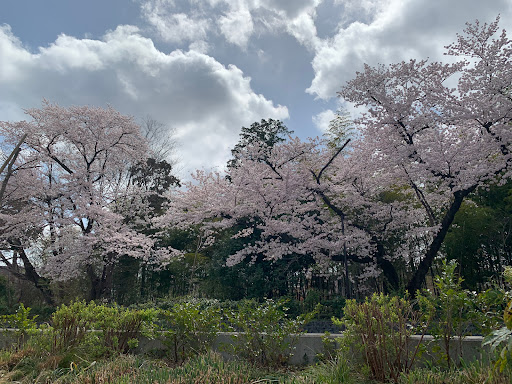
{"x": 205, "y": 68}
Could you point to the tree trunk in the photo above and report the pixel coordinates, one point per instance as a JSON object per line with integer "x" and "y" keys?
{"x": 106, "y": 282}
{"x": 392, "y": 282}
{"x": 95, "y": 283}
{"x": 30, "y": 273}
{"x": 418, "y": 277}
{"x": 101, "y": 287}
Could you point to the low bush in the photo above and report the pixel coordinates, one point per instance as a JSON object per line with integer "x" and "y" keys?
{"x": 476, "y": 373}
{"x": 335, "y": 371}
{"x": 500, "y": 340}
{"x": 330, "y": 307}
{"x": 93, "y": 330}
{"x": 191, "y": 329}
{"x": 455, "y": 312}
{"x": 379, "y": 329}
{"x": 23, "y": 324}
{"x": 265, "y": 336}
{"x": 128, "y": 369}
{"x": 70, "y": 326}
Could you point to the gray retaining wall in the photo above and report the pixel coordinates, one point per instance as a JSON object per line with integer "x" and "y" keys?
{"x": 310, "y": 344}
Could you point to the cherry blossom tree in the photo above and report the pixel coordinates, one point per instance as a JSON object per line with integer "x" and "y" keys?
{"x": 66, "y": 202}
{"x": 441, "y": 129}
{"x": 288, "y": 205}
{"x": 433, "y": 134}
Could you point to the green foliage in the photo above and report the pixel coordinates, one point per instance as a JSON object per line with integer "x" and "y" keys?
{"x": 70, "y": 325}
{"x": 259, "y": 279}
{"x": 6, "y": 293}
{"x": 193, "y": 328}
{"x": 500, "y": 341}
{"x": 154, "y": 176}
{"x": 23, "y": 324}
{"x": 454, "y": 310}
{"x": 125, "y": 280}
{"x": 330, "y": 349}
{"x": 341, "y": 128}
{"x": 329, "y": 307}
{"x": 265, "y": 134}
{"x": 502, "y": 338}
{"x": 122, "y": 328}
{"x": 380, "y": 329}
{"x": 491, "y": 304}
{"x": 129, "y": 369}
{"x": 265, "y": 335}
{"x": 475, "y": 373}
{"x": 95, "y": 330}
{"x": 479, "y": 237}
{"x": 336, "y": 371}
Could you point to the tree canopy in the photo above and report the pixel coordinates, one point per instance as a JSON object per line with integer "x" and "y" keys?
{"x": 423, "y": 147}
{"x": 68, "y": 195}
{"x": 376, "y": 199}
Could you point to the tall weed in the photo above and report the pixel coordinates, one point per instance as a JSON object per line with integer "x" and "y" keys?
{"x": 265, "y": 335}
{"x": 380, "y": 329}
{"x": 191, "y": 329}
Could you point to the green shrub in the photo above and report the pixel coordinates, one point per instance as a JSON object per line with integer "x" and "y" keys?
{"x": 380, "y": 329}
{"x": 96, "y": 330}
{"x": 265, "y": 334}
{"x": 455, "y": 311}
{"x": 122, "y": 328}
{"x": 70, "y": 325}
{"x": 336, "y": 371}
{"x": 500, "y": 340}
{"x": 23, "y": 324}
{"x": 332, "y": 307}
{"x": 192, "y": 329}
{"x": 475, "y": 373}
{"x": 330, "y": 349}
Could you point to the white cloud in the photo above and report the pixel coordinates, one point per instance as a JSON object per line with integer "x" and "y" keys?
{"x": 362, "y": 10}
{"x": 237, "y": 26}
{"x": 236, "y": 20}
{"x": 378, "y": 31}
{"x": 323, "y": 119}
{"x": 175, "y": 27}
{"x": 11, "y": 48}
{"x": 304, "y": 30}
{"x": 290, "y": 9}
{"x": 204, "y": 100}
{"x": 200, "y": 46}
{"x": 369, "y": 31}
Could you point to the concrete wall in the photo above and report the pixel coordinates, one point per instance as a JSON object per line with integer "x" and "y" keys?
{"x": 310, "y": 344}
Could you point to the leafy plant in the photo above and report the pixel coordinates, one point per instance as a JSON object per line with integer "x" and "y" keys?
{"x": 122, "y": 328}
{"x": 491, "y": 304}
{"x": 96, "y": 330}
{"x": 380, "y": 328}
{"x": 192, "y": 329}
{"x": 70, "y": 325}
{"x": 21, "y": 322}
{"x": 502, "y": 338}
{"x": 265, "y": 334}
{"x": 330, "y": 348}
{"x": 474, "y": 373}
{"x": 336, "y": 371}
{"x": 454, "y": 310}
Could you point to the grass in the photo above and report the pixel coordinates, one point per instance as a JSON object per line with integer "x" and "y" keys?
{"x": 26, "y": 366}
{"x": 128, "y": 369}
